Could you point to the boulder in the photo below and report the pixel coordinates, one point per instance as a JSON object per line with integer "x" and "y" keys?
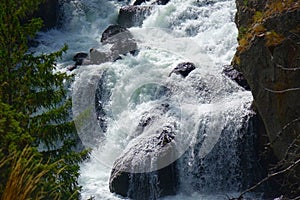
{"x": 159, "y": 2}
{"x": 79, "y": 57}
{"x": 236, "y": 76}
{"x": 139, "y": 2}
{"x": 183, "y": 69}
{"x": 162, "y": 2}
{"x": 130, "y": 16}
{"x": 121, "y": 39}
{"x": 147, "y": 167}
{"x": 114, "y": 30}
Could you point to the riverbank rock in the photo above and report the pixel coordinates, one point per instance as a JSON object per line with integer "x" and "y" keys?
{"x": 268, "y": 56}
{"x": 236, "y": 76}
{"x": 147, "y": 168}
{"x": 130, "y": 16}
{"x": 183, "y": 69}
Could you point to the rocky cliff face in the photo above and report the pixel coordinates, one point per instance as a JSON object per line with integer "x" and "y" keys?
{"x": 269, "y": 57}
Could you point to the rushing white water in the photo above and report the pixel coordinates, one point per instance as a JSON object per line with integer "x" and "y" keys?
{"x": 209, "y": 109}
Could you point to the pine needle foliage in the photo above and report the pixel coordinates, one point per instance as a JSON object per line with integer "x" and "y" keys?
{"x": 36, "y": 133}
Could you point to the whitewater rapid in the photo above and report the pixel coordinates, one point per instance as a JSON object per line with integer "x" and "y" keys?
{"x": 202, "y": 32}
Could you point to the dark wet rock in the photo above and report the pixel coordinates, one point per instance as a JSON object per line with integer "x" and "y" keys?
{"x": 159, "y": 2}
{"x": 138, "y": 185}
{"x": 183, "y": 69}
{"x": 79, "y": 57}
{"x": 49, "y": 12}
{"x": 139, "y": 2}
{"x": 72, "y": 67}
{"x": 114, "y": 30}
{"x": 134, "y": 173}
{"x": 130, "y": 16}
{"x": 121, "y": 40}
{"x": 122, "y": 43}
{"x": 237, "y": 76}
{"x": 162, "y": 2}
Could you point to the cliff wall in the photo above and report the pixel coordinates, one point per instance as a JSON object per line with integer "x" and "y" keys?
{"x": 269, "y": 57}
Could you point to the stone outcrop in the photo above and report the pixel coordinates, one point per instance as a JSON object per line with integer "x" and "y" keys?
{"x": 268, "y": 56}
{"x": 270, "y": 63}
{"x": 237, "y": 76}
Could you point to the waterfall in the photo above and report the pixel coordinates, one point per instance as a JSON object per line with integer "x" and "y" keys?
{"x": 120, "y": 105}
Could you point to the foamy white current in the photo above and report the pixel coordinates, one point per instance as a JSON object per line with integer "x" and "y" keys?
{"x": 202, "y": 32}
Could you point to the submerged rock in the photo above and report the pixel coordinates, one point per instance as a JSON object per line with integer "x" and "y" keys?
{"x": 130, "y": 16}
{"x": 183, "y": 69}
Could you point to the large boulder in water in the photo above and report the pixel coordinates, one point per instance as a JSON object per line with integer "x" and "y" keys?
{"x": 121, "y": 39}
{"x": 183, "y": 69}
{"x": 110, "y": 33}
{"x": 147, "y": 167}
{"x": 130, "y": 16}
{"x": 79, "y": 57}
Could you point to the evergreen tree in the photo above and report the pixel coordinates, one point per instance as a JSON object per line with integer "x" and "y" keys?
{"x": 35, "y": 120}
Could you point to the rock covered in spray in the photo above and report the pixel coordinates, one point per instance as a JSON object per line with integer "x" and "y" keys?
{"x": 143, "y": 170}
{"x": 130, "y": 16}
{"x": 147, "y": 168}
{"x": 184, "y": 69}
{"x": 121, "y": 41}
